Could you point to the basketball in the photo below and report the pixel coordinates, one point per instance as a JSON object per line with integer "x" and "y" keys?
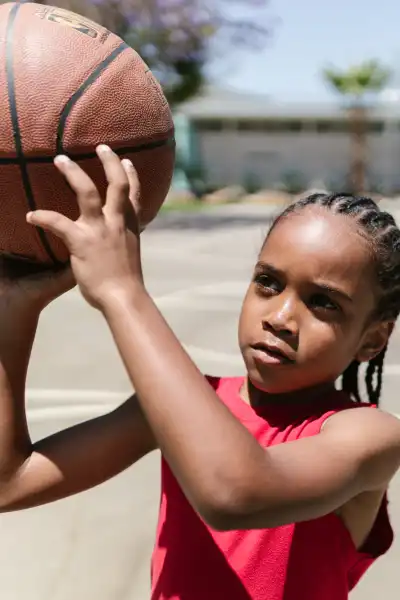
{"x": 68, "y": 84}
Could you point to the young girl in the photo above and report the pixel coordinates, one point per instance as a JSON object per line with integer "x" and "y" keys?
{"x": 273, "y": 484}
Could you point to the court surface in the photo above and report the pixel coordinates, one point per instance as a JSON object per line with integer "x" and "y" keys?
{"x": 97, "y": 545}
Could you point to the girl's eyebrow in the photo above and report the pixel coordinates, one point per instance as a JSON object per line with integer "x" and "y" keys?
{"x": 333, "y": 290}
{"x": 262, "y": 266}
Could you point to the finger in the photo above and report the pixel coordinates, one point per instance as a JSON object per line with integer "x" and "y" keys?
{"x": 134, "y": 184}
{"x": 88, "y": 197}
{"x": 132, "y": 216}
{"x": 118, "y": 183}
{"x": 54, "y": 222}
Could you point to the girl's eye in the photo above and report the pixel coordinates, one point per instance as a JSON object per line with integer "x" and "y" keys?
{"x": 267, "y": 283}
{"x": 323, "y": 301}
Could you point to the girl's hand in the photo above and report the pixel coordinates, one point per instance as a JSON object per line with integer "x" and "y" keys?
{"x": 104, "y": 242}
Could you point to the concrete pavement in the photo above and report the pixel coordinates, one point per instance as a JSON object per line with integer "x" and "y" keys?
{"x": 97, "y": 545}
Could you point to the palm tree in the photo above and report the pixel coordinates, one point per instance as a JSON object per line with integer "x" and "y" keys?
{"x": 356, "y": 85}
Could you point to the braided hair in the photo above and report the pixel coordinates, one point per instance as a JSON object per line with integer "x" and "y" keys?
{"x": 381, "y": 231}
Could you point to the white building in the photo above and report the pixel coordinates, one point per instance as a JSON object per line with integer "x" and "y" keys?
{"x": 237, "y": 135}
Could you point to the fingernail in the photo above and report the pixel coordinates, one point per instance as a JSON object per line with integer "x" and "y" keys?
{"x": 62, "y": 159}
{"x": 103, "y": 148}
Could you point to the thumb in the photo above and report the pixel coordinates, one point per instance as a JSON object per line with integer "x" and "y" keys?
{"x": 61, "y": 281}
{"x": 52, "y": 221}
{"x": 49, "y": 284}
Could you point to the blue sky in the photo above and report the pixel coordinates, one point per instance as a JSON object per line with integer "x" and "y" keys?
{"x": 311, "y": 34}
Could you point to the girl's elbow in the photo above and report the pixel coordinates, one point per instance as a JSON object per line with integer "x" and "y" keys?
{"x": 221, "y": 521}
{"x": 225, "y": 508}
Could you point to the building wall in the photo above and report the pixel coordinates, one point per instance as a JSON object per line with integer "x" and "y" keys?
{"x": 232, "y": 151}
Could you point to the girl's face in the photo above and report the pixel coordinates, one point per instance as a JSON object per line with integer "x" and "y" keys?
{"x": 308, "y": 311}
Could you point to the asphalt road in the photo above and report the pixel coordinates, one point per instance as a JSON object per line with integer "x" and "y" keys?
{"x": 97, "y": 545}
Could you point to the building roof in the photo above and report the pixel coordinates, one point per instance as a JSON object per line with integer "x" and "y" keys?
{"x": 217, "y": 103}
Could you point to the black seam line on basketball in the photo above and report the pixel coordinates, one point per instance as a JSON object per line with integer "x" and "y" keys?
{"x": 89, "y": 155}
{"x": 16, "y": 129}
{"x": 81, "y": 90}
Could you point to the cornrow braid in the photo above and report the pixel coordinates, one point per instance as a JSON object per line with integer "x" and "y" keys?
{"x": 375, "y": 369}
{"x": 383, "y": 235}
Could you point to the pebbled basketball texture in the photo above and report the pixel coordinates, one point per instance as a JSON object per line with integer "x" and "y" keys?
{"x": 66, "y": 85}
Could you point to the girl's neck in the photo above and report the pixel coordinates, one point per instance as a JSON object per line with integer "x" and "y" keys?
{"x": 257, "y": 398}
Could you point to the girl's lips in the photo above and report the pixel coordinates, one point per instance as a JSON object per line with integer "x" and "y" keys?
{"x": 270, "y": 354}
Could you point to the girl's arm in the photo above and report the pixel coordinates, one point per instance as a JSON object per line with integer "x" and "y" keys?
{"x": 68, "y": 462}
{"x": 229, "y": 478}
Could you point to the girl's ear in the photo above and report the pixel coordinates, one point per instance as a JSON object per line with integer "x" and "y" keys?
{"x": 375, "y": 340}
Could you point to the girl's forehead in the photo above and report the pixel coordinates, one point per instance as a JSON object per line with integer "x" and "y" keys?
{"x": 319, "y": 243}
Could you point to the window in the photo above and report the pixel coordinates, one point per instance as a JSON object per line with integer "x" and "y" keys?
{"x": 375, "y": 126}
{"x": 209, "y": 125}
{"x": 332, "y": 126}
{"x": 270, "y": 125}
{"x": 249, "y": 125}
{"x": 344, "y": 126}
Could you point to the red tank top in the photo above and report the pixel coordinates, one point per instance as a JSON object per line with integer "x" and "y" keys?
{"x": 313, "y": 560}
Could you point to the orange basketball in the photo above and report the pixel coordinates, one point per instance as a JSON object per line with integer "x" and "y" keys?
{"x": 66, "y": 85}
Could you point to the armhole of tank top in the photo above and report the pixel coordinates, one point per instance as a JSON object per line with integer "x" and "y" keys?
{"x": 333, "y": 413}
{"x": 324, "y": 422}
{"x": 326, "y": 419}
{"x": 213, "y": 381}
